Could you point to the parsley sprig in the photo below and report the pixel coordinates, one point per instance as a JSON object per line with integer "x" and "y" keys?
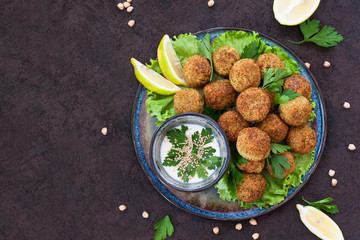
{"x": 278, "y": 162}
{"x": 214, "y": 114}
{"x": 198, "y": 159}
{"x": 253, "y": 50}
{"x": 283, "y": 97}
{"x": 323, "y": 205}
{"x": 326, "y": 37}
{"x": 273, "y": 79}
{"x": 163, "y": 228}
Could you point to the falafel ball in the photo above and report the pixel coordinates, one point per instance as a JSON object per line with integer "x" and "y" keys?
{"x": 252, "y": 166}
{"x": 299, "y": 84}
{"x": 220, "y": 94}
{"x": 269, "y": 60}
{"x": 274, "y": 127}
{"x": 244, "y": 74}
{"x": 224, "y": 58}
{"x": 232, "y": 123}
{"x": 301, "y": 139}
{"x": 197, "y": 71}
{"x": 253, "y": 144}
{"x": 188, "y": 100}
{"x": 296, "y": 112}
{"x": 287, "y": 171}
{"x": 253, "y": 104}
{"x": 251, "y": 188}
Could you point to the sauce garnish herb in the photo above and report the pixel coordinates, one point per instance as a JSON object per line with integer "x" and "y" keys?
{"x": 192, "y": 154}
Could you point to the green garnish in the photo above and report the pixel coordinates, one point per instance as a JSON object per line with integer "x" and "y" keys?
{"x": 214, "y": 114}
{"x": 253, "y": 50}
{"x": 277, "y": 162}
{"x": 159, "y": 106}
{"x": 322, "y": 205}
{"x": 279, "y": 148}
{"x": 235, "y": 156}
{"x": 205, "y": 50}
{"x": 273, "y": 79}
{"x": 326, "y": 37}
{"x": 313, "y": 114}
{"x": 163, "y": 228}
{"x": 226, "y": 187}
{"x": 191, "y": 154}
{"x": 285, "y": 96}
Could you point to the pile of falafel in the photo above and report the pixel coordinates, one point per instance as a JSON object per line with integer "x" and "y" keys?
{"x": 250, "y": 121}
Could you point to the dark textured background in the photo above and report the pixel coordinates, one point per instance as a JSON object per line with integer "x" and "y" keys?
{"x": 65, "y": 73}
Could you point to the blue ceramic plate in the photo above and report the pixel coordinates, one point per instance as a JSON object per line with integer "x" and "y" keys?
{"x": 207, "y": 203}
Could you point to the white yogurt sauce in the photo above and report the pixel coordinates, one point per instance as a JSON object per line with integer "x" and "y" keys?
{"x": 166, "y": 146}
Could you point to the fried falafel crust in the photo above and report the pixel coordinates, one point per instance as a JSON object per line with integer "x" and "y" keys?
{"x": 253, "y": 144}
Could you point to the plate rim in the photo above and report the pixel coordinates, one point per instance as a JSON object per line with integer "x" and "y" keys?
{"x": 316, "y": 163}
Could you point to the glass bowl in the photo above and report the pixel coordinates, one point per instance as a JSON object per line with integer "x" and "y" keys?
{"x": 175, "y": 121}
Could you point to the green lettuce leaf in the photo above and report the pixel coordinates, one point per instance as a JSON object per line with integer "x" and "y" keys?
{"x": 238, "y": 40}
{"x": 154, "y": 65}
{"x": 159, "y": 106}
{"x": 291, "y": 66}
{"x": 313, "y": 114}
{"x": 185, "y": 45}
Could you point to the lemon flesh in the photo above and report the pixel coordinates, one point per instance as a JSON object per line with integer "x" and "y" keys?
{"x": 152, "y": 80}
{"x": 294, "y": 12}
{"x": 319, "y": 223}
{"x": 169, "y": 62}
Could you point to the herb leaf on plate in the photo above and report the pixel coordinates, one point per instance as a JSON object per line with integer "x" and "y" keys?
{"x": 226, "y": 187}
{"x": 273, "y": 79}
{"x": 323, "y": 205}
{"x": 291, "y": 66}
{"x": 285, "y": 96}
{"x": 326, "y": 37}
{"x": 253, "y": 50}
{"x": 163, "y": 228}
{"x": 279, "y": 148}
{"x": 212, "y": 113}
{"x": 277, "y": 162}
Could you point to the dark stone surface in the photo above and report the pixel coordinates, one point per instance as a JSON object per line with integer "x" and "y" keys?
{"x": 65, "y": 73}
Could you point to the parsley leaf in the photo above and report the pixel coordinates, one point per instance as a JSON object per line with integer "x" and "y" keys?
{"x": 253, "y": 50}
{"x": 235, "y": 156}
{"x": 205, "y": 50}
{"x": 285, "y": 96}
{"x": 273, "y": 79}
{"x": 214, "y": 114}
{"x": 177, "y": 136}
{"x": 313, "y": 114}
{"x": 277, "y": 163}
{"x": 279, "y": 148}
{"x": 163, "y": 228}
{"x": 322, "y": 205}
{"x": 326, "y": 37}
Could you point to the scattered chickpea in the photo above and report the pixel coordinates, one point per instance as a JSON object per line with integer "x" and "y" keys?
{"x": 326, "y": 64}
{"x": 307, "y": 65}
{"x": 255, "y": 236}
{"x": 104, "y": 131}
{"x": 145, "y": 214}
{"x": 346, "y": 105}
{"x": 126, "y": 4}
{"x": 351, "y": 147}
{"x": 131, "y": 23}
{"x": 331, "y": 173}
{"x": 121, "y": 6}
{"x": 216, "y": 230}
{"x": 211, "y": 3}
{"x": 238, "y": 226}
{"x": 334, "y": 182}
{"x": 253, "y": 222}
{"x": 129, "y": 1}
{"x": 129, "y": 9}
{"x": 122, "y": 207}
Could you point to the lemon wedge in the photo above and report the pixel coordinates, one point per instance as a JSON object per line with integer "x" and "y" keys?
{"x": 319, "y": 223}
{"x": 152, "y": 80}
{"x": 169, "y": 62}
{"x": 294, "y": 12}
